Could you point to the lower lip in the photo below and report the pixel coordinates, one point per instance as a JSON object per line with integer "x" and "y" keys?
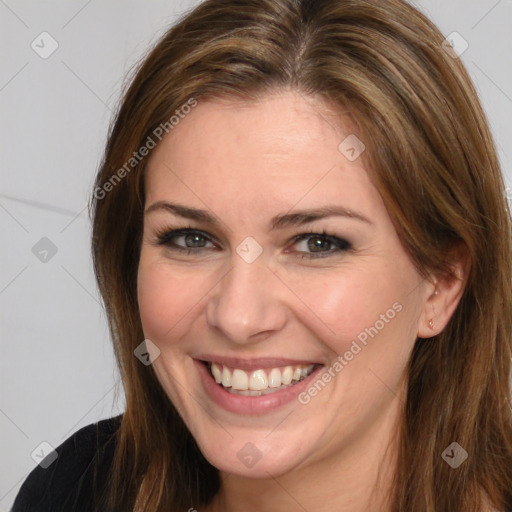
{"x": 250, "y": 404}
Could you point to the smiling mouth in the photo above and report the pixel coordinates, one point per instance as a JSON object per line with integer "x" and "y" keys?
{"x": 258, "y": 382}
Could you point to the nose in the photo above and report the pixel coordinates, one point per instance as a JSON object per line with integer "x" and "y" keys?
{"x": 248, "y": 302}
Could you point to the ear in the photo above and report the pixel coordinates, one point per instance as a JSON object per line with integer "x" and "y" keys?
{"x": 444, "y": 294}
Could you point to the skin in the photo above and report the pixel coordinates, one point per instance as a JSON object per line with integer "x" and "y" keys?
{"x": 245, "y": 163}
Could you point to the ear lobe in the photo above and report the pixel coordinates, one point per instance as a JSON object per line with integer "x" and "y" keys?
{"x": 445, "y": 294}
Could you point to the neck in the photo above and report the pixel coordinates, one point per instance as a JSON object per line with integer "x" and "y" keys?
{"x": 356, "y": 478}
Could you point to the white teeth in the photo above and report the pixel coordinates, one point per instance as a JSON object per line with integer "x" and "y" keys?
{"x": 226, "y": 377}
{"x": 274, "y": 378}
{"x": 217, "y": 375}
{"x": 239, "y": 380}
{"x": 257, "y": 382}
{"x": 287, "y": 375}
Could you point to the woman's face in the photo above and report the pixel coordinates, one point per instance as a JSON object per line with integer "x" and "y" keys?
{"x": 256, "y": 286}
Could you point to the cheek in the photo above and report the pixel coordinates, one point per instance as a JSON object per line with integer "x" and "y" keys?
{"x": 167, "y": 299}
{"x": 346, "y": 301}
{"x": 353, "y": 306}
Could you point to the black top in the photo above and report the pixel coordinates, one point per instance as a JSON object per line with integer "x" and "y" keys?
{"x": 67, "y": 483}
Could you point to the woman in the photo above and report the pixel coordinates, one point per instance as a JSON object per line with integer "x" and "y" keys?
{"x": 301, "y": 213}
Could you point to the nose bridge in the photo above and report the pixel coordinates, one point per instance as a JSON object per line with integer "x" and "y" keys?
{"x": 245, "y": 302}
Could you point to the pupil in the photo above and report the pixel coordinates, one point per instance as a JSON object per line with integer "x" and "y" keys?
{"x": 317, "y": 243}
{"x": 195, "y": 238}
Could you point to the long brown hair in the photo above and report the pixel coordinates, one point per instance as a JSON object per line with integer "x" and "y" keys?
{"x": 431, "y": 154}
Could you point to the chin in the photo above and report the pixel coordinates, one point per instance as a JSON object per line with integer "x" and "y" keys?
{"x": 253, "y": 456}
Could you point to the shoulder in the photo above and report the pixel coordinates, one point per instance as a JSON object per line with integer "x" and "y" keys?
{"x": 66, "y": 483}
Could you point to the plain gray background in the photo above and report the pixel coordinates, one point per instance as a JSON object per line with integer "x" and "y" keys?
{"x": 57, "y": 372}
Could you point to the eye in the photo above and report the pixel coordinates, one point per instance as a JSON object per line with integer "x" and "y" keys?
{"x": 184, "y": 239}
{"x": 319, "y": 245}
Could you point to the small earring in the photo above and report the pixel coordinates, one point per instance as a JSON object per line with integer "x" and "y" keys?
{"x": 435, "y": 292}
{"x": 431, "y": 323}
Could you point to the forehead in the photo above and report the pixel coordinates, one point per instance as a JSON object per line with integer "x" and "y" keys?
{"x": 272, "y": 153}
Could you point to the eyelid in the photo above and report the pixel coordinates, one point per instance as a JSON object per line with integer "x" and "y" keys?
{"x": 168, "y": 233}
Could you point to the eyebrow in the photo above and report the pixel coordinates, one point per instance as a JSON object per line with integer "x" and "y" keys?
{"x": 295, "y": 218}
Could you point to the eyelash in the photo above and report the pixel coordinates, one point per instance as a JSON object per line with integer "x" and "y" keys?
{"x": 165, "y": 236}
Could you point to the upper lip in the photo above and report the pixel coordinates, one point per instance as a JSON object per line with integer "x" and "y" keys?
{"x": 255, "y": 363}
